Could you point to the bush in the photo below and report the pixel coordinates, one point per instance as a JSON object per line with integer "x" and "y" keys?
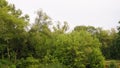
{"x": 113, "y": 64}
{"x": 96, "y": 59}
{"x": 29, "y": 62}
{"x": 78, "y": 50}
{"x": 4, "y": 63}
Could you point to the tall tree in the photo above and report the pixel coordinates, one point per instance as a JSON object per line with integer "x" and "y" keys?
{"x": 115, "y": 48}
{"x": 12, "y": 28}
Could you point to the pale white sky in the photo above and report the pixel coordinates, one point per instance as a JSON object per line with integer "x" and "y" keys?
{"x": 99, "y": 13}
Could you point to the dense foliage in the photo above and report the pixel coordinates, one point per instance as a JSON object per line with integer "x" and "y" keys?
{"x": 40, "y": 46}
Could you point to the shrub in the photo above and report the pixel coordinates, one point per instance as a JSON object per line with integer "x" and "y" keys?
{"x": 113, "y": 64}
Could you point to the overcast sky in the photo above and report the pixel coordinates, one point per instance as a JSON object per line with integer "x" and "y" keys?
{"x": 98, "y": 13}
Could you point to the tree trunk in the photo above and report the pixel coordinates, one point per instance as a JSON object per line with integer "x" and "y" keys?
{"x": 8, "y": 53}
{"x": 15, "y": 57}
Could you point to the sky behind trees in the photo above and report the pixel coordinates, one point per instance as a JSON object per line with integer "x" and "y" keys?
{"x": 98, "y": 13}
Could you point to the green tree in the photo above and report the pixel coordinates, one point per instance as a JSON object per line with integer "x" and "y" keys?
{"x": 106, "y": 38}
{"x": 58, "y": 29}
{"x": 12, "y": 30}
{"x": 89, "y": 29}
{"x": 74, "y": 49}
{"x": 40, "y": 36}
{"x": 115, "y": 47}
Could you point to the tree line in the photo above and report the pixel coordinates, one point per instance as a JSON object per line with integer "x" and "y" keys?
{"x": 44, "y": 45}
